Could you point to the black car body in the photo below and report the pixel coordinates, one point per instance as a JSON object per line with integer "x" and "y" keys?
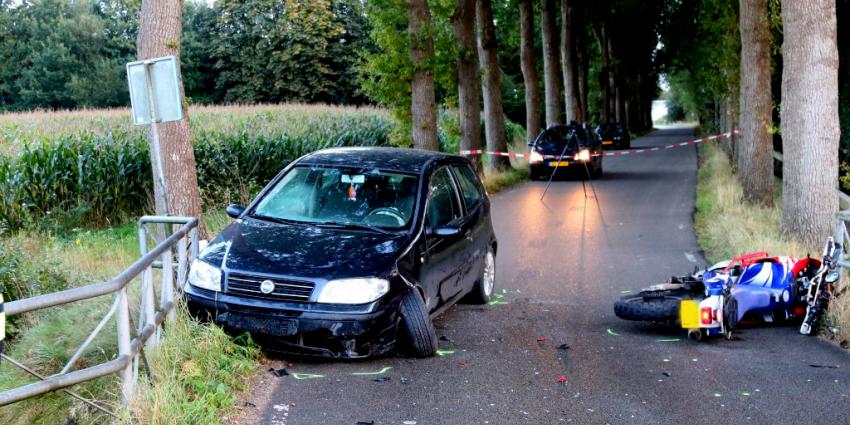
{"x": 436, "y": 257}
{"x": 566, "y": 149}
{"x": 614, "y": 136}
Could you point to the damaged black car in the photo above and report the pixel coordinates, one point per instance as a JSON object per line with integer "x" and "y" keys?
{"x": 349, "y": 253}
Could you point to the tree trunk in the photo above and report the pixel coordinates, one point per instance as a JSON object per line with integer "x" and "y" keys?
{"x": 755, "y": 143}
{"x": 583, "y": 70}
{"x": 602, "y": 39}
{"x": 159, "y": 35}
{"x": 810, "y": 126}
{"x": 494, "y": 115}
{"x": 423, "y": 107}
{"x": 551, "y": 64}
{"x": 468, "y": 84}
{"x": 529, "y": 70}
{"x": 569, "y": 64}
{"x": 613, "y": 100}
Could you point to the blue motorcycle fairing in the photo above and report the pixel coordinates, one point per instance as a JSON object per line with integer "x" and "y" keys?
{"x": 763, "y": 288}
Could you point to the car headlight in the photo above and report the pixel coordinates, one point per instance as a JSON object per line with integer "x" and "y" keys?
{"x": 205, "y": 276}
{"x": 583, "y": 155}
{"x": 353, "y": 291}
{"x": 535, "y": 157}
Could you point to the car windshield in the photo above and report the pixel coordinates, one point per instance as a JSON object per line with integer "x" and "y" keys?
{"x": 557, "y": 137}
{"x": 341, "y": 196}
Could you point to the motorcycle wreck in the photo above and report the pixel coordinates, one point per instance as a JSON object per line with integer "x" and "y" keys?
{"x": 751, "y": 287}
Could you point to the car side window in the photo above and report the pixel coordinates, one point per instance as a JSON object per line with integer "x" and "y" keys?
{"x": 443, "y": 205}
{"x": 469, "y": 186}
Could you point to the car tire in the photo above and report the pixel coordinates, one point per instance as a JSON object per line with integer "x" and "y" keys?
{"x": 482, "y": 292}
{"x": 653, "y": 306}
{"x": 416, "y": 326}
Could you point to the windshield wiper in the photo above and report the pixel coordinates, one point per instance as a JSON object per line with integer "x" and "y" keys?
{"x": 353, "y": 226}
{"x": 274, "y": 219}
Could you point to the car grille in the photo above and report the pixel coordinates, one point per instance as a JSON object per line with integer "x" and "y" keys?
{"x": 286, "y": 290}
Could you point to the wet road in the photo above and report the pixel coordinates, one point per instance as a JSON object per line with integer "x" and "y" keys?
{"x": 562, "y": 263}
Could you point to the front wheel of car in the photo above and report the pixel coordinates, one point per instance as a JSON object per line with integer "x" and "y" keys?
{"x": 482, "y": 292}
{"x": 416, "y": 326}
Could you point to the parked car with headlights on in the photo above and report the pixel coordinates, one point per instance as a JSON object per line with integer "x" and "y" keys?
{"x": 565, "y": 149}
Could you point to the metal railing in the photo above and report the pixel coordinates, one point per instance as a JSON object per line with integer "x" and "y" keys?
{"x": 842, "y": 236}
{"x": 181, "y": 243}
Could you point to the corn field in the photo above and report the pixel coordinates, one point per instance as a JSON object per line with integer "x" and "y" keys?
{"x": 93, "y": 166}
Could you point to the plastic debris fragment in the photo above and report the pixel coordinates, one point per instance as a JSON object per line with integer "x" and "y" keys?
{"x": 667, "y": 374}
{"x": 562, "y": 379}
{"x": 825, "y": 366}
{"x": 463, "y": 362}
{"x": 541, "y": 339}
{"x": 564, "y": 347}
{"x": 278, "y": 372}
{"x": 381, "y": 379}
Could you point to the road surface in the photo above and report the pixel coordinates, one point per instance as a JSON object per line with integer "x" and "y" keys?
{"x": 562, "y": 263}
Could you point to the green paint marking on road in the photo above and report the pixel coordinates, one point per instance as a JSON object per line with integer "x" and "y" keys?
{"x": 442, "y": 353}
{"x": 668, "y": 340}
{"x": 307, "y": 376}
{"x": 694, "y": 360}
{"x": 504, "y": 291}
{"x": 666, "y": 360}
{"x": 625, "y": 291}
{"x": 380, "y": 372}
{"x": 746, "y": 394}
{"x": 499, "y": 296}
{"x": 717, "y": 394}
{"x": 612, "y": 333}
{"x": 518, "y": 291}
{"x": 498, "y": 302}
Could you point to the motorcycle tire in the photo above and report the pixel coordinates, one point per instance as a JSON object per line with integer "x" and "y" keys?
{"x": 653, "y": 306}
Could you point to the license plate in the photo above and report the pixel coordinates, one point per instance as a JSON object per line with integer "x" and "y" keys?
{"x": 272, "y": 326}
{"x": 689, "y": 314}
{"x": 559, "y": 164}
{"x": 607, "y": 142}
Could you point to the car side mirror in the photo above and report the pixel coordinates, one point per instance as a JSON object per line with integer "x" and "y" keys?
{"x": 445, "y": 231}
{"x": 235, "y": 210}
{"x": 530, "y": 143}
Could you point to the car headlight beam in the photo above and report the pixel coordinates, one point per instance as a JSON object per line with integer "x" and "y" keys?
{"x": 353, "y": 291}
{"x": 205, "y": 276}
{"x": 535, "y": 157}
{"x": 583, "y": 155}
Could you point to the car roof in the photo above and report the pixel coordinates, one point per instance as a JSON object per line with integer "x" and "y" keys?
{"x": 405, "y": 160}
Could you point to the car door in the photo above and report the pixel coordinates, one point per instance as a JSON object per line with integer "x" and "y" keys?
{"x": 442, "y": 260}
{"x": 474, "y": 225}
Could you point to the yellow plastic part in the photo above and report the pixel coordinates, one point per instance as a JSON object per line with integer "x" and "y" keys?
{"x": 689, "y": 314}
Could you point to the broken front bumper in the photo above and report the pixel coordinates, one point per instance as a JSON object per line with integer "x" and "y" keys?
{"x": 335, "y": 331}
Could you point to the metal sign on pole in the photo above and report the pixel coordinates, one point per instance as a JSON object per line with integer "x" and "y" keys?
{"x": 155, "y": 97}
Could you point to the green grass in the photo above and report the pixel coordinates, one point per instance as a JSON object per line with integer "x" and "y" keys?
{"x": 199, "y": 369}
{"x": 499, "y": 181}
{"x": 726, "y": 225}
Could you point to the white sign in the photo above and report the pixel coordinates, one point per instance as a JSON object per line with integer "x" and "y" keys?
{"x": 154, "y": 90}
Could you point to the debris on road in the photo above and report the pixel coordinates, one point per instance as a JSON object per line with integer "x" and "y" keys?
{"x": 365, "y": 422}
{"x": 301, "y": 376}
{"x": 564, "y": 347}
{"x": 381, "y": 379}
{"x": 612, "y": 333}
{"x": 541, "y": 339}
{"x": 668, "y": 340}
{"x": 278, "y": 372}
{"x": 498, "y": 302}
{"x": 442, "y": 353}
{"x": 463, "y": 362}
{"x": 445, "y": 338}
{"x": 562, "y": 379}
{"x": 824, "y": 366}
{"x": 667, "y": 374}
{"x": 378, "y": 372}
{"x": 249, "y": 404}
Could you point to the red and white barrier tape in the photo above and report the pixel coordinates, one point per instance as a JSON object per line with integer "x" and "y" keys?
{"x": 609, "y": 153}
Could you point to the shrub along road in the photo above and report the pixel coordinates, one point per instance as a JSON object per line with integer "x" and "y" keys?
{"x": 563, "y": 262}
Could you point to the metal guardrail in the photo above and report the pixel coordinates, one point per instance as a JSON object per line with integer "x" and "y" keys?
{"x": 842, "y": 236}
{"x": 182, "y": 242}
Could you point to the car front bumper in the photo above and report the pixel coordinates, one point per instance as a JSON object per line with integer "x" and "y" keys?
{"x": 307, "y": 329}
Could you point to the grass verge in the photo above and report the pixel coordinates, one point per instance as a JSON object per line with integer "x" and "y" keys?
{"x": 199, "y": 369}
{"x": 726, "y": 226}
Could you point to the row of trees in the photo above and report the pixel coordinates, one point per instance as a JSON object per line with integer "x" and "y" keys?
{"x": 598, "y": 63}
{"x": 68, "y": 54}
{"x": 770, "y": 68}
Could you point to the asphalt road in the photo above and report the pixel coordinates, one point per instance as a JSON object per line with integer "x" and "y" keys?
{"x": 563, "y": 261}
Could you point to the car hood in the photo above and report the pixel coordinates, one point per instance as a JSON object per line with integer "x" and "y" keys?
{"x": 297, "y": 250}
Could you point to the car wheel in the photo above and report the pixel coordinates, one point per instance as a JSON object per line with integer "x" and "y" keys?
{"x": 417, "y": 328}
{"x": 482, "y": 292}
